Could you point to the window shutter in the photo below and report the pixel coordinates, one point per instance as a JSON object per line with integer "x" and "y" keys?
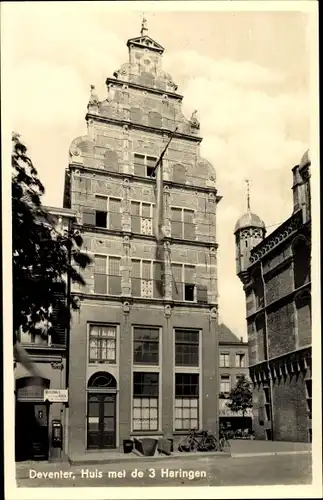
{"x": 115, "y": 213}
{"x": 60, "y": 316}
{"x": 88, "y": 216}
{"x": 201, "y": 294}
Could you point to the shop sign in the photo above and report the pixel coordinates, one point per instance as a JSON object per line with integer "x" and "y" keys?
{"x": 224, "y": 410}
{"x": 56, "y": 395}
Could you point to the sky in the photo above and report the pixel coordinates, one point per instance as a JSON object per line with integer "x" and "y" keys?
{"x": 247, "y": 74}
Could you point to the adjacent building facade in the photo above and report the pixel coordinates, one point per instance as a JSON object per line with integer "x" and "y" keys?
{"x": 144, "y": 340}
{"x": 34, "y": 416}
{"x": 276, "y": 276}
{"x": 233, "y": 362}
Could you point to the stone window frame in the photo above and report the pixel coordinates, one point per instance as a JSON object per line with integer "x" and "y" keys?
{"x": 107, "y": 274}
{"x": 151, "y": 278}
{"x": 182, "y": 282}
{"x": 151, "y": 217}
{"x": 92, "y": 361}
{"x": 182, "y": 221}
{"x": 108, "y": 211}
{"x": 145, "y": 156}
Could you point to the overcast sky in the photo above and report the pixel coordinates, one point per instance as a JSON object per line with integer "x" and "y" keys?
{"x": 247, "y": 74}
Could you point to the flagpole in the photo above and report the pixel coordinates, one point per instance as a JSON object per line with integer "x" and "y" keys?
{"x": 165, "y": 149}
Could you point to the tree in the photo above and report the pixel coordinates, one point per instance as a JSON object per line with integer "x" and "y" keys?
{"x": 240, "y": 396}
{"x": 44, "y": 259}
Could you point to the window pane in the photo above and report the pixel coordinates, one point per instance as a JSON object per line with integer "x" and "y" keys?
{"x": 100, "y": 264}
{"x": 189, "y": 216}
{"x": 114, "y": 213}
{"x": 135, "y": 268}
{"x": 189, "y": 274}
{"x": 146, "y": 269}
{"x": 100, "y": 283}
{"x": 186, "y": 384}
{"x": 146, "y": 210}
{"x": 101, "y": 203}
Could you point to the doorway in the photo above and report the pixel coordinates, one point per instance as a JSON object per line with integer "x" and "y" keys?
{"x": 101, "y": 421}
{"x": 101, "y": 411}
{"x": 31, "y": 420}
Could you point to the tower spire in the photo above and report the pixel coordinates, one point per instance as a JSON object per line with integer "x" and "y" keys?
{"x": 143, "y": 26}
{"x": 248, "y": 194}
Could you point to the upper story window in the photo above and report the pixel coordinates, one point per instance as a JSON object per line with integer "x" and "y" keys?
{"x": 240, "y": 360}
{"x": 144, "y": 282}
{"x": 183, "y": 225}
{"x": 146, "y": 346}
{"x": 142, "y": 217}
{"x": 107, "y": 276}
{"x": 224, "y": 359}
{"x": 184, "y": 282}
{"x": 186, "y": 347}
{"x": 144, "y": 166}
{"x": 107, "y": 212}
{"x": 225, "y": 384}
{"x": 102, "y": 343}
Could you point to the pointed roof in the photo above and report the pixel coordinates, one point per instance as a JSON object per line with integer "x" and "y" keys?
{"x": 145, "y": 42}
{"x": 226, "y": 336}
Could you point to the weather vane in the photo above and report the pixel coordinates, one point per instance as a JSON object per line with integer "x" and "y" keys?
{"x": 143, "y": 25}
{"x": 247, "y": 181}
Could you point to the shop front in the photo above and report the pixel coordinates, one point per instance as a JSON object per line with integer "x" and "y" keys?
{"x": 234, "y": 421}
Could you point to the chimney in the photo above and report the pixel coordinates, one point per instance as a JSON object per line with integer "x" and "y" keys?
{"x": 241, "y": 339}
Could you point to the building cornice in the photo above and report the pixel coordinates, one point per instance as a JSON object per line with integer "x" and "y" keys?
{"x": 144, "y": 237}
{"x": 132, "y": 85}
{"x": 145, "y": 180}
{"x": 283, "y": 233}
{"x": 145, "y": 128}
{"x": 121, "y": 299}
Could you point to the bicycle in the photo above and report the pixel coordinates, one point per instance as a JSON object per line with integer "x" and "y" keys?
{"x": 199, "y": 441}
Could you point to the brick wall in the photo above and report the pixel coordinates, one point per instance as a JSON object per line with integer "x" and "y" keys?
{"x": 281, "y": 332}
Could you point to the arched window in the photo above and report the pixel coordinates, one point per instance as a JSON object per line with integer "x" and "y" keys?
{"x": 111, "y": 161}
{"x": 302, "y": 262}
{"x": 102, "y": 380}
{"x": 31, "y": 388}
{"x": 154, "y": 119}
{"x": 303, "y": 314}
{"x": 136, "y": 115}
{"x": 179, "y": 174}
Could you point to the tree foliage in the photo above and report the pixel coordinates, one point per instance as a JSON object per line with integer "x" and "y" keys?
{"x": 43, "y": 256}
{"x": 240, "y": 396}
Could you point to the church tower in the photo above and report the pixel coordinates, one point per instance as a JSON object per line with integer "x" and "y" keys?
{"x": 249, "y": 231}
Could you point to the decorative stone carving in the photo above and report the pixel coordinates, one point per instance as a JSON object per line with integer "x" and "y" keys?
{"x": 194, "y": 122}
{"x": 126, "y": 307}
{"x": 213, "y": 313}
{"x": 57, "y": 365}
{"x": 93, "y": 97}
{"x": 75, "y": 152}
{"x": 168, "y": 311}
{"x": 283, "y": 232}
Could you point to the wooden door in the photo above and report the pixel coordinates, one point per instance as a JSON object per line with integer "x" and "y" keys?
{"x": 101, "y": 421}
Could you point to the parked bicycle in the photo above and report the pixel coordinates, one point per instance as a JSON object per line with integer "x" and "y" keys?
{"x": 199, "y": 441}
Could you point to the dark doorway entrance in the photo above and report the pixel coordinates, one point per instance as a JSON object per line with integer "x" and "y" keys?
{"x": 31, "y": 420}
{"x": 31, "y": 431}
{"x": 101, "y": 421}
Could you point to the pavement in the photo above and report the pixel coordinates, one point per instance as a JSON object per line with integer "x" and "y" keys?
{"x": 239, "y": 449}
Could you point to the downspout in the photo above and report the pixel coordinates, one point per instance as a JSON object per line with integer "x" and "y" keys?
{"x": 267, "y": 353}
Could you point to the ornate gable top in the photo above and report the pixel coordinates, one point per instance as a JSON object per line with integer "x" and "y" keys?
{"x": 145, "y": 42}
